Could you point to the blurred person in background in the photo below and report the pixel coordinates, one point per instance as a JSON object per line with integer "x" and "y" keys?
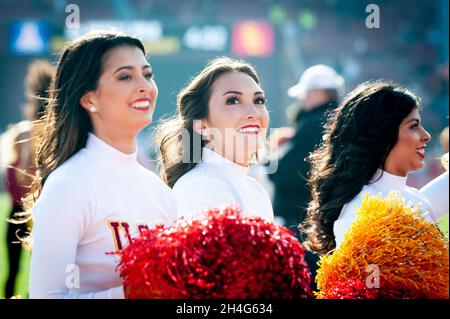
{"x": 19, "y": 144}
{"x": 316, "y": 93}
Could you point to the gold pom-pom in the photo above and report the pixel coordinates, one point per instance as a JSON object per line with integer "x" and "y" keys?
{"x": 410, "y": 255}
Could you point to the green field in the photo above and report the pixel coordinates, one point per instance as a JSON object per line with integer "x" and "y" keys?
{"x": 22, "y": 278}
{"x": 444, "y": 225}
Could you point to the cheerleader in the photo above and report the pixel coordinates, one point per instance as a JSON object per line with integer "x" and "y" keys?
{"x": 372, "y": 141}
{"x": 92, "y": 195}
{"x": 223, "y": 111}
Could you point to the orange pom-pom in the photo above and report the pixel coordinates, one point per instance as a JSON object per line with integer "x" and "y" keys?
{"x": 390, "y": 251}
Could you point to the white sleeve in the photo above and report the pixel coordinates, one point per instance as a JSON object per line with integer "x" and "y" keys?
{"x": 436, "y": 192}
{"x": 60, "y": 217}
{"x": 194, "y": 197}
{"x": 340, "y": 227}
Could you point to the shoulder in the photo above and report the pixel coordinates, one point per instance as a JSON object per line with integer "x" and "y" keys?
{"x": 62, "y": 190}
{"x": 199, "y": 188}
{"x": 349, "y": 210}
{"x": 75, "y": 168}
{"x": 256, "y": 185}
{"x": 199, "y": 180}
{"x": 194, "y": 192}
{"x": 70, "y": 174}
{"x": 66, "y": 196}
{"x": 68, "y": 184}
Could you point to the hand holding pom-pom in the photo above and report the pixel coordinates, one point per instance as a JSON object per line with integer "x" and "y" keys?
{"x": 220, "y": 255}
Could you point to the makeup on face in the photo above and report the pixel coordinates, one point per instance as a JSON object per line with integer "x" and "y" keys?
{"x": 237, "y": 111}
{"x": 409, "y": 152}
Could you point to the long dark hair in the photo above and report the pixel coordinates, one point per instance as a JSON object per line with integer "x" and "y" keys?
{"x": 67, "y": 123}
{"x": 192, "y": 102}
{"x": 359, "y": 135}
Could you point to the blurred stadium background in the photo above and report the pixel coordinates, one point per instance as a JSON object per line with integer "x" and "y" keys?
{"x": 281, "y": 38}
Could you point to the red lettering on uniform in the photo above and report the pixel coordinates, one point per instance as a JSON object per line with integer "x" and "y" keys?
{"x": 115, "y": 228}
{"x": 126, "y": 227}
{"x": 118, "y": 228}
{"x": 141, "y": 228}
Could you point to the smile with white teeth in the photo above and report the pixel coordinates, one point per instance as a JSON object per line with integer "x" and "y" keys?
{"x": 141, "y": 105}
{"x": 421, "y": 152}
{"x": 249, "y": 130}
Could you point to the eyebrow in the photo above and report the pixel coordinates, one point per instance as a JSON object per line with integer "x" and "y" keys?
{"x": 412, "y": 120}
{"x": 129, "y": 67}
{"x": 240, "y": 93}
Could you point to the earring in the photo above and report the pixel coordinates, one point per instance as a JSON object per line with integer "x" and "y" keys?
{"x": 206, "y": 134}
{"x": 92, "y": 109}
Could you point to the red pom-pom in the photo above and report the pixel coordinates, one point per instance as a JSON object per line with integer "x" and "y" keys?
{"x": 221, "y": 255}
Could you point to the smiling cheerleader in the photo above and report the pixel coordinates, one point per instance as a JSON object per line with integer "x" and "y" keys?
{"x": 372, "y": 141}
{"x": 222, "y": 111}
{"x": 92, "y": 195}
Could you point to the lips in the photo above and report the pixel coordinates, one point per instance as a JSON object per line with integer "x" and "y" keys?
{"x": 249, "y": 129}
{"x": 141, "y": 104}
{"x": 421, "y": 152}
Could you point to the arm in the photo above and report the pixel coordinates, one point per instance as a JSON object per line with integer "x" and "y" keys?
{"x": 346, "y": 218}
{"x": 436, "y": 192}
{"x": 60, "y": 218}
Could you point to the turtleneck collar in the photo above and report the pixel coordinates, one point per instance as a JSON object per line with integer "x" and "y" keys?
{"x": 110, "y": 156}
{"x": 222, "y": 164}
{"x": 394, "y": 181}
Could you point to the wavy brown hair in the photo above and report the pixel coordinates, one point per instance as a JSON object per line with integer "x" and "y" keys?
{"x": 359, "y": 135}
{"x": 178, "y": 155}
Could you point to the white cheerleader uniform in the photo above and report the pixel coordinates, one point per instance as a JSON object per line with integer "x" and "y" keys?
{"x": 216, "y": 182}
{"x": 91, "y": 205}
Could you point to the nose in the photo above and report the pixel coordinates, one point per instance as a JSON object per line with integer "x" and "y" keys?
{"x": 426, "y": 137}
{"x": 146, "y": 86}
{"x": 252, "y": 111}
